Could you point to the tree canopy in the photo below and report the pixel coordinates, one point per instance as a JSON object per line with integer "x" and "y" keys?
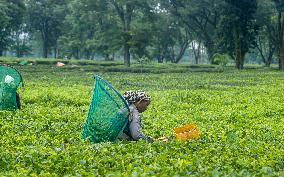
{"x": 162, "y": 31}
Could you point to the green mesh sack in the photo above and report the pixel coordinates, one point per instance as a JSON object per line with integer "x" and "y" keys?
{"x": 108, "y": 114}
{"x": 9, "y": 83}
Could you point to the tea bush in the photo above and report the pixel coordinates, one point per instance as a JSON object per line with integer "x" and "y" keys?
{"x": 240, "y": 115}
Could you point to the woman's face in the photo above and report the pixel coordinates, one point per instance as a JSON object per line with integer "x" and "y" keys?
{"x": 142, "y": 105}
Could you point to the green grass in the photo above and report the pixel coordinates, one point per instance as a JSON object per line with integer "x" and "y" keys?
{"x": 240, "y": 115}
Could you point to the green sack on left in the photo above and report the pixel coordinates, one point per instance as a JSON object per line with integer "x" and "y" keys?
{"x": 10, "y": 79}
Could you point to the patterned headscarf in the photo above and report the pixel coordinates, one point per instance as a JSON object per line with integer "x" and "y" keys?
{"x": 136, "y": 96}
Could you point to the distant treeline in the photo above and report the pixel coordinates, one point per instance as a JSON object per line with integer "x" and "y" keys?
{"x": 218, "y": 30}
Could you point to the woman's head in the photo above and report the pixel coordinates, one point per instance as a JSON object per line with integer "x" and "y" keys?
{"x": 139, "y": 98}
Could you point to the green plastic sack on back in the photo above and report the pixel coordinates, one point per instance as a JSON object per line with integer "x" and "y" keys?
{"x": 108, "y": 114}
{"x": 10, "y": 80}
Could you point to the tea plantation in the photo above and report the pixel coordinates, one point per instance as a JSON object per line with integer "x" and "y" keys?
{"x": 239, "y": 113}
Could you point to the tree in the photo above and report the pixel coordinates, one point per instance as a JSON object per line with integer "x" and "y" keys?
{"x": 11, "y": 17}
{"x": 267, "y": 35}
{"x": 21, "y": 41}
{"x": 237, "y": 29}
{"x": 105, "y": 27}
{"x": 166, "y": 39}
{"x": 90, "y": 29}
{"x": 196, "y": 48}
{"x": 107, "y": 39}
{"x": 127, "y": 11}
{"x": 4, "y": 21}
{"x": 280, "y": 37}
{"x": 46, "y": 17}
{"x": 79, "y": 26}
{"x": 201, "y": 18}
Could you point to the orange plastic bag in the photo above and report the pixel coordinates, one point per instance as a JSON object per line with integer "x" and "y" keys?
{"x": 187, "y": 132}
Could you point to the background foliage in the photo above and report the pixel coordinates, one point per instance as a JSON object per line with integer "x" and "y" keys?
{"x": 163, "y": 31}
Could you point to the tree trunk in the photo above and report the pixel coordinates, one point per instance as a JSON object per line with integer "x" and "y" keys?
{"x": 88, "y": 55}
{"x": 160, "y": 56}
{"x": 76, "y": 53}
{"x": 17, "y": 43}
{"x": 1, "y": 52}
{"x": 113, "y": 56}
{"x": 172, "y": 54}
{"x": 281, "y": 57}
{"x": 238, "y": 50}
{"x": 127, "y": 36}
{"x": 270, "y": 56}
{"x": 260, "y": 47}
{"x": 269, "y": 61}
{"x": 210, "y": 51}
{"x": 281, "y": 40}
{"x": 127, "y": 55}
{"x": 196, "y": 52}
{"x": 45, "y": 49}
{"x": 125, "y": 15}
{"x": 55, "y": 52}
{"x": 262, "y": 56}
{"x": 160, "y": 59}
{"x": 239, "y": 53}
{"x": 45, "y": 38}
{"x": 182, "y": 51}
{"x": 93, "y": 55}
{"x": 266, "y": 54}
{"x": 239, "y": 62}
{"x": 107, "y": 57}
